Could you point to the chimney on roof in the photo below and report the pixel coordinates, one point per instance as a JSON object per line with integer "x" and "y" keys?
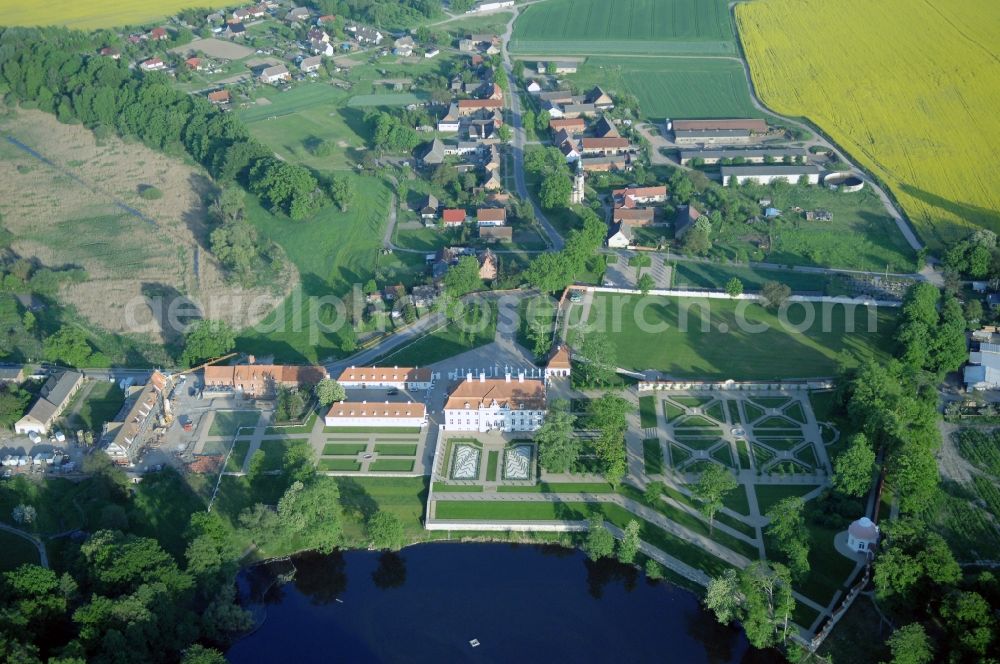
{"x": 482, "y": 376}
{"x": 520, "y": 377}
{"x": 506, "y": 377}
{"x": 251, "y": 359}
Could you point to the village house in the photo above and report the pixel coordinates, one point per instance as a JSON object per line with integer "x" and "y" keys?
{"x": 52, "y": 400}
{"x": 491, "y": 159}
{"x": 258, "y": 380}
{"x": 600, "y": 99}
{"x": 432, "y": 53}
{"x": 643, "y": 195}
{"x": 470, "y": 106}
{"x": 491, "y": 216}
{"x": 429, "y": 208}
{"x": 234, "y": 30}
{"x": 609, "y": 163}
{"x": 603, "y": 146}
{"x": 634, "y": 217}
{"x": 319, "y": 47}
{"x": 110, "y": 52}
{"x": 194, "y": 64}
{"x": 153, "y": 64}
{"x": 533, "y": 87}
{"x": 158, "y": 34}
{"x": 451, "y": 121}
{"x": 434, "y": 154}
{"x": 619, "y": 236}
{"x": 558, "y": 96}
{"x": 496, "y": 404}
{"x": 576, "y": 110}
{"x": 496, "y": 233}
{"x": 384, "y": 415}
{"x": 559, "y": 364}
{"x": 452, "y": 217}
{"x": 403, "y": 46}
{"x": 365, "y": 35}
{"x": 125, "y": 439}
{"x": 297, "y": 14}
{"x": 274, "y": 74}
{"x": 12, "y": 373}
{"x": 219, "y": 97}
{"x": 311, "y": 64}
{"x": 423, "y": 297}
{"x": 492, "y": 183}
{"x": 684, "y": 221}
{"x": 571, "y": 126}
{"x": 241, "y": 15}
{"x": 378, "y": 378}
{"x": 318, "y": 34}
{"x": 768, "y": 173}
{"x": 604, "y": 128}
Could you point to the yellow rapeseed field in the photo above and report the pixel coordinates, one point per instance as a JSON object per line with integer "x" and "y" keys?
{"x": 910, "y": 88}
{"x": 89, "y": 14}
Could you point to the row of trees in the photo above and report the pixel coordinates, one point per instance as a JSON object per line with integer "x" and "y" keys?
{"x": 560, "y": 447}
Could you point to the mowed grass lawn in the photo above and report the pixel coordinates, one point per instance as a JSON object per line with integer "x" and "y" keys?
{"x": 674, "y": 343}
{"x": 938, "y": 60}
{"x": 228, "y": 422}
{"x": 673, "y": 87}
{"x": 624, "y": 26}
{"x": 93, "y": 13}
{"x": 288, "y": 122}
{"x": 332, "y": 250}
{"x": 101, "y": 404}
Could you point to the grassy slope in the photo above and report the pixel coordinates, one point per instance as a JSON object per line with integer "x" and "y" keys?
{"x": 736, "y": 354}
{"x": 938, "y": 158}
{"x": 332, "y": 250}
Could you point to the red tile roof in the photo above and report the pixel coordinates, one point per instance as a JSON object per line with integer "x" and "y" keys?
{"x": 491, "y": 214}
{"x": 604, "y": 143}
{"x": 385, "y": 375}
{"x": 516, "y": 395}
{"x": 381, "y": 410}
{"x": 453, "y": 215}
{"x": 640, "y": 192}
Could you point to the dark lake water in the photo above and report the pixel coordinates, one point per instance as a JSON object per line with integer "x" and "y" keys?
{"x": 523, "y": 604}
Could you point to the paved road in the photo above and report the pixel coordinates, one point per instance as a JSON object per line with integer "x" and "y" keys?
{"x": 554, "y": 240}
{"x": 43, "y": 556}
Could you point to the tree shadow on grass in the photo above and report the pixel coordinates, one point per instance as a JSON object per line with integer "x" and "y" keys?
{"x": 355, "y": 499}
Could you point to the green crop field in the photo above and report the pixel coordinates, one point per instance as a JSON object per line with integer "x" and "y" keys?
{"x": 737, "y": 353}
{"x": 673, "y": 87}
{"x": 625, "y": 26}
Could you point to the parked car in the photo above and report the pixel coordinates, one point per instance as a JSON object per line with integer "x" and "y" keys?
{"x": 60, "y": 437}
{"x": 393, "y": 392}
{"x": 34, "y": 437}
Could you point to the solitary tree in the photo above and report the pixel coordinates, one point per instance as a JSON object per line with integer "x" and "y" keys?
{"x": 207, "y": 339}
{"x": 645, "y": 283}
{"x": 328, "y": 391}
{"x": 734, "y": 287}
{"x": 775, "y": 294}
{"x": 600, "y": 543}
{"x": 385, "y": 531}
{"x": 711, "y": 489}
{"x": 628, "y": 547}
